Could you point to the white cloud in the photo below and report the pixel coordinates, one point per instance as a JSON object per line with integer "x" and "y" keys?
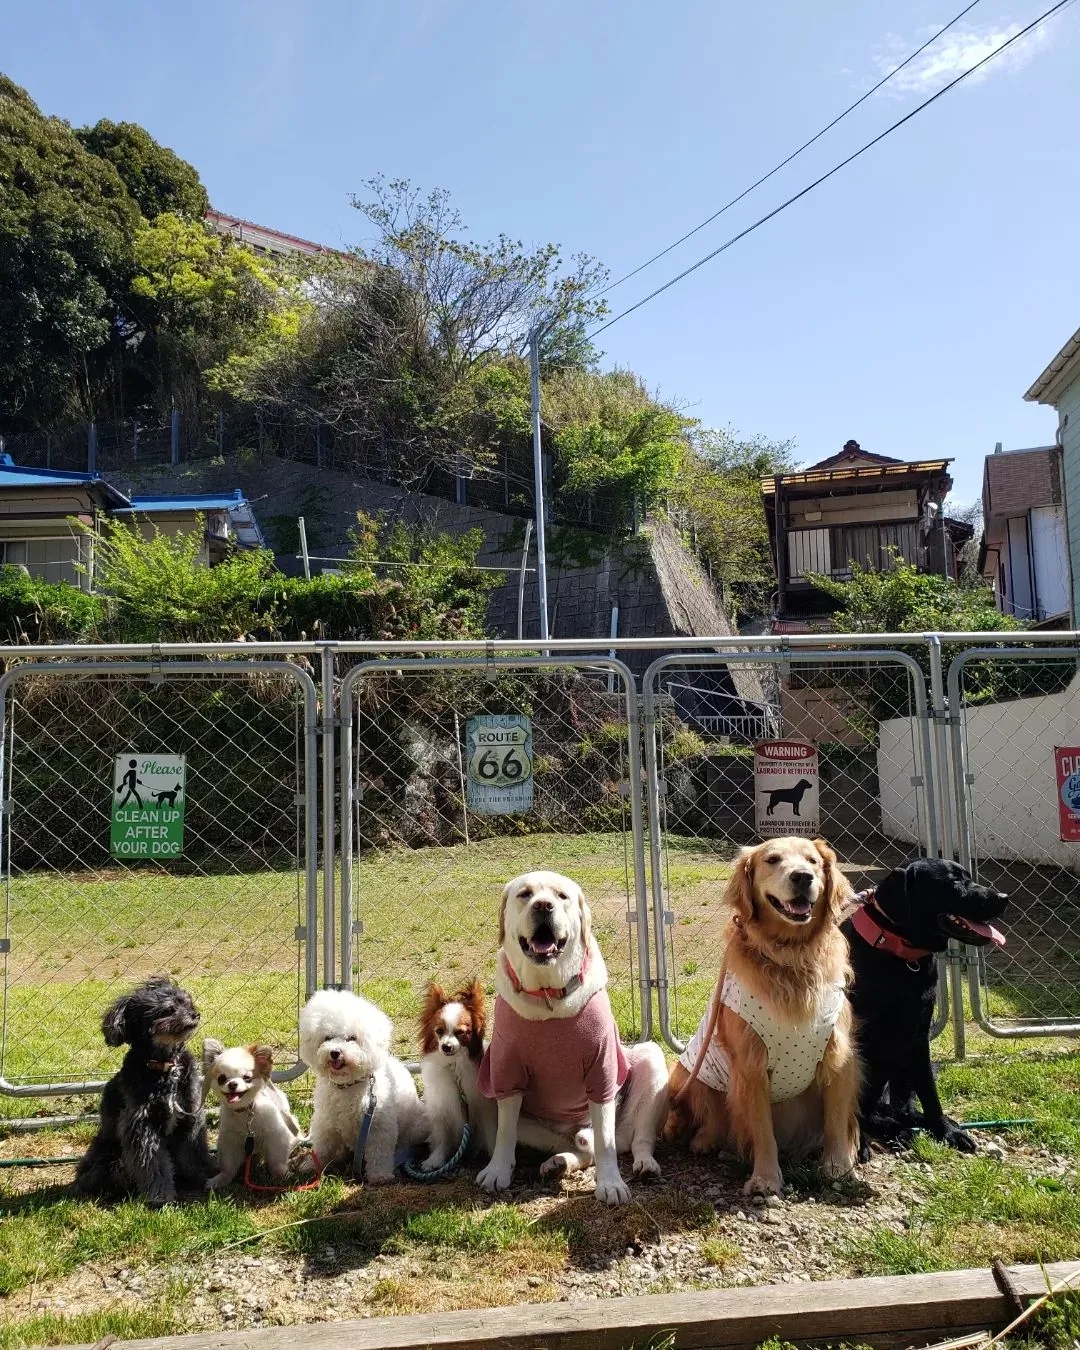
{"x": 958, "y": 50}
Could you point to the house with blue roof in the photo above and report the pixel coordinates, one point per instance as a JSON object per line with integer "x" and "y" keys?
{"x": 41, "y": 511}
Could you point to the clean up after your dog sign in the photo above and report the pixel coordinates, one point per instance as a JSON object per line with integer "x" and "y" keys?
{"x": 148, "y": 806}
{"x": 786, "y": 789}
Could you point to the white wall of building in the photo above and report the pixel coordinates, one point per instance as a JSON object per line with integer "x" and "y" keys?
{"x": 1051, "y": 558}
{"x": 1014, "y": 781}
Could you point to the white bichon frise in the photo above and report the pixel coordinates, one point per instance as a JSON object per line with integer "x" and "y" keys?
{"x": 346, "y": 1042}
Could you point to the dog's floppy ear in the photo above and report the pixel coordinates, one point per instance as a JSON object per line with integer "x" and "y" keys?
{"x": 210, "y": 1051}
{"x": 114, "y": 1023}
{"x": 893, "y": 893}
{"x": 502, "y": 913}
{"x": 837, "y": 887}
{"x": 740, "y": 893}
{"x": 585, "y": 914}
{"x": 263, "y": 1056}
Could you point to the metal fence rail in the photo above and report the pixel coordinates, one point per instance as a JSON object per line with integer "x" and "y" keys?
{"x": 233, "y": 917}
{"x": 1017, "y": 713}
{"x": 702, "y": 803}
{"x": 422, "y": 867}
{"x": 334, "y": 837}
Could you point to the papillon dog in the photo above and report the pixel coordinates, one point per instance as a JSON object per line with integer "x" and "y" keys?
{"x": 452, "y": 1046}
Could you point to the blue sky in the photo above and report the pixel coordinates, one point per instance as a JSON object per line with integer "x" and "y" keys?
{"x": 908, "y": 303}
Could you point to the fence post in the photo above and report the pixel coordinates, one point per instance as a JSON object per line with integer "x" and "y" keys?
{"x": 221, "y": 433}
{"x": 174, "y": 436}
{"x": 939, "y": 785}
{"x": 91, "y": 448}
{"x": 329, "y": 833}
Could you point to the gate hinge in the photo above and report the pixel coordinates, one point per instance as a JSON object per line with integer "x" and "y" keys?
{"x": 300, "y": 932}
{"x": 5, "y": 805}
{"x": 661, "y": 787}
{"x": 624, "y": 788}
{"x": 916, "y": 780}
{"x": 669, "y": 917}
{"x": 358, "y": 928}
{"x": 631, "y": 917}
{"x": 969, "y": 778}
{"x": 5, "y": 946}
{"x": 298, "y": 799}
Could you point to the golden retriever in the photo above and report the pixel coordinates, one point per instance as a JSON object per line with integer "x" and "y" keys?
{"x": 785, "y": 968}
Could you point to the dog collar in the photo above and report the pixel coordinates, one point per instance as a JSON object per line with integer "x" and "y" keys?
{"x": 161, "y": 1065}
{"x": 883, "y": 939}
{"x": 549, "y": 994}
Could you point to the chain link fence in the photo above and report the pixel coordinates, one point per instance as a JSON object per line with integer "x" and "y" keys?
{"x": 461, "y": 774}
{"x": 360, "y": 834}
{"x": 706, "y": 802}
{"x": 1016, "y": 769}
{"x": 102, "y": 890}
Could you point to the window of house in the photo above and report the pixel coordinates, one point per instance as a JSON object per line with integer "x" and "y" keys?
{"x": 54, "y": 559}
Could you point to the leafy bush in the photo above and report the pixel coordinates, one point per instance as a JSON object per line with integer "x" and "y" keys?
{"x": 33, "y": 611}
{"x": 157, "y": 589}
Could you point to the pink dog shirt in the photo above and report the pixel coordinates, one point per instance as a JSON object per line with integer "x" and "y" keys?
{"x": 558, "y": 1065}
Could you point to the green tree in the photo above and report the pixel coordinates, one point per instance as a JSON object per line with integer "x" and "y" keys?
{"x": 67, "y": 225}
{"x": 717, "y": 494}
{"x": 205, "y": 308}
{"x": 157, "y": 178}
{"x": 612, "y": 437}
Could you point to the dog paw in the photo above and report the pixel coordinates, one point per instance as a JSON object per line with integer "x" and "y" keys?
{"x": 495, "y": 1177}
{"x": 646, "y": 1166}
{"x": 379, "y": 1179}
{"x": 216, "y": 1183}
{"x": 703, "y": 1142}
{"x": 612, "y": 1190}
{"x": 558, "y": 1165}
{"x": 960, "y": 1140}
{"x": 864, "y": 1154}
{"x": 764, "y": 1183}
{"x": 583, "y": 1141}
{"x": 433, "y": 1162}
{"x": 839, "y": 1164}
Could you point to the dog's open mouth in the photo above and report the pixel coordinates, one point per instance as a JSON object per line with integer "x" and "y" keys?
{"x": 233, "y": 1097}
{"x": 969, "y": 931}
{"x": 543, "y": 947}
{"x": 798, "y": 909}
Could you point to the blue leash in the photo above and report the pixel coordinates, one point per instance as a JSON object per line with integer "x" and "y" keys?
{"x": 360, "y": 1148}
{"x": 415, "y": 1173}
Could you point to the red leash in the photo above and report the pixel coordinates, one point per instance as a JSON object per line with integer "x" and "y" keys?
{"x": 312, "y": 1185}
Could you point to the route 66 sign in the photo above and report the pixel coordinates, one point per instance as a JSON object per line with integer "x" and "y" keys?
{"x": 500, "y": 764}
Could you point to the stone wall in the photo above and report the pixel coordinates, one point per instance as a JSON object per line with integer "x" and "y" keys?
{"x": 657, "y": 584}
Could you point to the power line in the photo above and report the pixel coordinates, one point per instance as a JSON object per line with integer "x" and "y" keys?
{"x": 1061, "y": 4}
{"x": 794, "y": 154}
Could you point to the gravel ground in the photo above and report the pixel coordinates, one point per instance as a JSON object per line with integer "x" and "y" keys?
{"x": 692, "y": 1229}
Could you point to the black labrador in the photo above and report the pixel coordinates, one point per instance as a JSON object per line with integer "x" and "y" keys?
{"x": 894, "y": 940}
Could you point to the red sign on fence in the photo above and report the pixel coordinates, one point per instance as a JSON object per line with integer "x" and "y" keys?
{"x": 1067, "y": 760}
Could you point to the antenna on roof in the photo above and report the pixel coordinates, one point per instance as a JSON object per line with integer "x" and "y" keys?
{"x": 997, "y": 447}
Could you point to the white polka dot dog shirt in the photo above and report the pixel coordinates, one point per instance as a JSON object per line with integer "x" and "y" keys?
{"x": 794, "y": 1049}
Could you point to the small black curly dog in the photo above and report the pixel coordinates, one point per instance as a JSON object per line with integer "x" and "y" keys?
{"x": 152, "y": 1137}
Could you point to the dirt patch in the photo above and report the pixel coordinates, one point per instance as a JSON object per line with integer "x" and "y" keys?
{"x": 692, "y": 1229}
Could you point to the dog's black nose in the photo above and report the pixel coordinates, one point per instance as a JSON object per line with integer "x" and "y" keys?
{"x": 335, "y": 1055}
{"x": 803, "y": 880}
{"x": 544, "y": 906}
{"x": 447, "y": 1049}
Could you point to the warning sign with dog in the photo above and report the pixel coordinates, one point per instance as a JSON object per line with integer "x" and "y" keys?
{"x": 500, "y": 764}
{"x": 786, "y": 788}
{"x": 1067, "y": 762}
{"x": 148, "y": 806}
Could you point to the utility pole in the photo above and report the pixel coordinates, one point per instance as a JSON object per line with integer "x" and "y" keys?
{"x": 538, "y": 480}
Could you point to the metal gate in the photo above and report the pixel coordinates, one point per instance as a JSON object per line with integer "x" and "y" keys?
{"x": 1013, "y": 710}
{"x": 874, "y": 797}
{"x": 233, "y": 918}
{"x": 423, "y": 864}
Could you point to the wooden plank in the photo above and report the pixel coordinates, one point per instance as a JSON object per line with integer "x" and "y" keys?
{"x": 886, "y": 1310}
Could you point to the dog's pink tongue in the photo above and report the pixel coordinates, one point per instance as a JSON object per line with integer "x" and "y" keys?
{"x": 988, "y": 931}
{"x": 544, "y": 948}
